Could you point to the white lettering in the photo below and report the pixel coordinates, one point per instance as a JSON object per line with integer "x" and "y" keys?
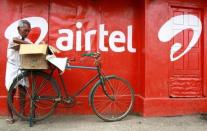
{"x": 117, "y": 36}
{"x": 129, "y": 40}
{"x": 118, "y": 41}
{"x": 68, "y": 39}
{"x": 78, "y": 36}
{"x": 88, "y": 39}
{"x": 102, "y": 33}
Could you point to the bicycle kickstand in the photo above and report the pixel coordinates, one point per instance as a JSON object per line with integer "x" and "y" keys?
{"x": 32, "y": 115}
{"x": 32, "y": 106}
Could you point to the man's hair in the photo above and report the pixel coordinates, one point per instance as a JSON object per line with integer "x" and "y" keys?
{"x": 22, "y": 22}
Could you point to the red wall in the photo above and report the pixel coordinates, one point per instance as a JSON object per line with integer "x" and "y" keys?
{"x": 162, "y": 87}
{"x": 116, "y": 16}
{"x": 158, "y": 98}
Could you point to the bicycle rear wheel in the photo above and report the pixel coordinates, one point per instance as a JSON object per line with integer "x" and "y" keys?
{"x": 114, "y": 101}
{"x": 44, "y": 95}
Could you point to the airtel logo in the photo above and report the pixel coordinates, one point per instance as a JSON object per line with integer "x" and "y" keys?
{"x": 165, "y": 34}
{"x": 39, "y": 22}
{"x": 115, "y": 37}
{"x": 174, "y": 26}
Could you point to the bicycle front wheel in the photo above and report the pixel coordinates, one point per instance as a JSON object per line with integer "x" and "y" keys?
{"x": 40, "y": 98}
{"x": 113, "y": 100}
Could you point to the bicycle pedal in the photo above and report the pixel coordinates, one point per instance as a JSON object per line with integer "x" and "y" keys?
{"x": 57, "y": 99}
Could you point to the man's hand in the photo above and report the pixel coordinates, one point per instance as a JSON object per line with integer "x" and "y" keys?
{"x": 19, "y": 41}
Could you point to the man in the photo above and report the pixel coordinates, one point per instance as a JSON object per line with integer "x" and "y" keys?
{"x": 13, "y": 64}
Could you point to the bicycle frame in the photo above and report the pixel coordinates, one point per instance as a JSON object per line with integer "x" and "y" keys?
{"x": 99, "y": 76}
{"x": 91, "y": 80}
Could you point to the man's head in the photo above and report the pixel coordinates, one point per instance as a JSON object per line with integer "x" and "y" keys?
{"x": 24, "y": 28}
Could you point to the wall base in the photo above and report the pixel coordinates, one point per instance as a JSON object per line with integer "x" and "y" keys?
{"x": 172, "y": 106}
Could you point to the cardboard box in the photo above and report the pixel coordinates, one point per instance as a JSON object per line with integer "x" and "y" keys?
{"x": 33, "y": 56}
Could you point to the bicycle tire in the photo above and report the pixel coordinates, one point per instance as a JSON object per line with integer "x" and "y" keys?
{"x": 113, "y": 110}
{"x": 53, "y": 88}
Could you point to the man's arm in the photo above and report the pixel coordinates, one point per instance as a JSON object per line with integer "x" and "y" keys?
{"x": 19, "y": 41}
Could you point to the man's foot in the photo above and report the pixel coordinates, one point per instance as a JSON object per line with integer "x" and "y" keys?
{"x": 10, "y": 120}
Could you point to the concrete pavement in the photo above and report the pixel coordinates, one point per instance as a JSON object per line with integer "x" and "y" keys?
{"x": 93, "y": 123}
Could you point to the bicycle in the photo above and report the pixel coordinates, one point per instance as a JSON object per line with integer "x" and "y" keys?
{"x": 111, "y": 97}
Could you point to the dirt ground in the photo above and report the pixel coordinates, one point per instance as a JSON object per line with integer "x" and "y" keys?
{"x": 93, "y": 123}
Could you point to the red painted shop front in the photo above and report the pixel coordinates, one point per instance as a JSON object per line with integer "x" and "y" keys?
{"x": 158, "y": 46}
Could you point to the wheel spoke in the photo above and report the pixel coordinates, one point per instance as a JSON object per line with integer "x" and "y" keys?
{"x": 113, "y": 109}
{"x": 42, "y": 86}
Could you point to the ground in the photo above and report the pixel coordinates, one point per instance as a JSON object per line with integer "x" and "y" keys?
{"x": 93, "y": 123}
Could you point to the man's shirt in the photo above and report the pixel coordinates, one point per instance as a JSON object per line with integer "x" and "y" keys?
{"x": 12, "y": 54}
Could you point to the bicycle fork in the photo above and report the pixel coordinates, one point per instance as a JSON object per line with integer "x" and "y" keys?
{"x": 104, "y": 81}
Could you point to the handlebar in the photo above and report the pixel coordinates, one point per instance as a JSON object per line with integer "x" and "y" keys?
{"x": 92, "y": 54}
{"x": 95, "y": 55}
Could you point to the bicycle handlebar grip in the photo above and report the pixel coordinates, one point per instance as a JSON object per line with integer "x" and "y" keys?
{"x": 89, "y": 54}
{"x": 92, "y": 54}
